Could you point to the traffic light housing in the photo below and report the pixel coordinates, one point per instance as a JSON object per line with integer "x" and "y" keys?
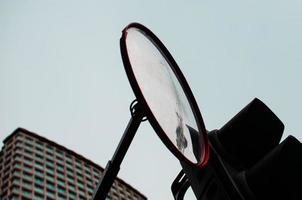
{"x": 247, "y": 160}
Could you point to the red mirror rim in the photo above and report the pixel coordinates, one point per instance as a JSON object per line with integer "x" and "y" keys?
{"x": 139, "y": 95}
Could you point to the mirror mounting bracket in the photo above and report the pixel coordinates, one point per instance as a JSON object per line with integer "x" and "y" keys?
{"x": 113, "y": 166}
{"x": 180, "y": 185}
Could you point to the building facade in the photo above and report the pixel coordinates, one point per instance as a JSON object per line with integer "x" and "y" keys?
{"x": 33, "y": 167}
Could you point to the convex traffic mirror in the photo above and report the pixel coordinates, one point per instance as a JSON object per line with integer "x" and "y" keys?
{"x": 164, "y": 94}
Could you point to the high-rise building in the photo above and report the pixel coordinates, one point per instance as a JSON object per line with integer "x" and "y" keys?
{"x": 33, "y": 167}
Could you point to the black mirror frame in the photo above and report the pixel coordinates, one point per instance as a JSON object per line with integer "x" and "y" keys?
{"x": 139, "y": 95}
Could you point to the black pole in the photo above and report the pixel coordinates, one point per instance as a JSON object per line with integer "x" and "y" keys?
{"x": 113, "y": 165}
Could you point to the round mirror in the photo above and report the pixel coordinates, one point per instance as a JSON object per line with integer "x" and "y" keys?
{"x": 162, "y": 90}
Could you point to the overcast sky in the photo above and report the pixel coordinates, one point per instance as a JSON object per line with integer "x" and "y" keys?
{"x": 61, "y": 73}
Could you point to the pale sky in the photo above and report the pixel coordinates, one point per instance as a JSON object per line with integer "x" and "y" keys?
{"x": 61, "y": 73}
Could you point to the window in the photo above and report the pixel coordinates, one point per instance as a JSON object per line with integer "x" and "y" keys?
{"x": 79, "y": 170}
{"x": 49, "y": 156}
{"x": 16, "y": 180}
{"x": 16, "y": 172}
{"x": 28, "y": 168}
{"x": 38, "y": 173}
{"x": 80, "y": 177}
{"x": 49, "y": 149}
{"x": 28, "y": 160}
{"x": 72, "y": 194}
{"x": 69, "y": 159}
{"x": 15, "y": 197}
{"x": 27, "y": 176}
{"x": 50, "y": 185}
{"x": 17, "y": 164}
{"x": 60, "y": 181}
{"x": 29, "y": 140}
{"x": 70, "y": 179}
{"x": 71, "y": 187}
{"x": 61, "y": 190}
{"x": 60, "y": 174}
{"x": 50, "y": 163}
{"x": 38, "y": 181}
{"x": 61, "y": 197}
{"x": 90, "y": 189}
{"x": 81, "y": 184}
{"x": 38, "y": 197}
{"x": 40, "y": 145}
{"x": 26, "y": 193}
{"x": 59, "y": 154}
{"x": 50, "y": 193}
{"x": 50, "y": 170}
{"x": 38, "y": 189}
{"x": 60, "y": 167}
{"x": 49, "y": 177}
{"x": 87, "y": 168}
{"x": 60, "y": 161}
{"x": 27, "y": 185}
{"x": 39, "y": 165}
{"x": 40, "y": 158}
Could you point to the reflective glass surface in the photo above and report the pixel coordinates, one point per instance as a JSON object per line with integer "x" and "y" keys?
{"x": 164, "y": 94}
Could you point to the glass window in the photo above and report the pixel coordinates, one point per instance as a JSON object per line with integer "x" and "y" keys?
{"x": 27, "y": 176}
{"x": 81, "y": 184}
{"x": 79, "y": 170}
{"x": 69, "y": 159}
{"x": 27, "y": 185}
{"x": 71, "y": 187}
{"x": 38, "y": 197}
{"x": 15, "y": 197}
{"x": 70, "y": 179}
{"x": 50, "y": 163}
{"x": 49, "y": 156}
{"x": 40, "y": 158}
{"x": 17, "y": 164}
{"x": 38, "y": 172}
{"x": 60, "y": 181}
{"x": 49, "y": 149}
{"x": 59, "y": 154}
{"x": 81, "y": 192}
{"x": 50, "y": 170}
{"x": 72, "y": 194}
{"x": 28, "y": 168}
{"x": 38, "y": 189}
{"x": 62, "y": 190}
{"x": 60, "y": 161}
{"x": 28, "y": 160}
{"x": 50, "y": 185}
{"x": 61, "y": 197}
{"x": 26, "y": 193}
{"x": 39, "y": 181}
{"x": 40, "y": 145}
{"x": 50, "y": 193}
{"x": 81, "y": 198}
{"x": 49, "y": 177}
{"x": 60, "y": 167}
{"x": 87, "y": 168}
{"x": 61, "y": 175}
{"x": 39, "y": 165}
{"x": 90, "y": 189}
{"x": 16, "y": 189}
{"x": 80, "y": 177}
{"x": 16, "y": 180}
{"x": 16, "y": 172}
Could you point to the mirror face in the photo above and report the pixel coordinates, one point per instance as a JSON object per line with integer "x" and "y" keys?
{"x": 163, "y": 92}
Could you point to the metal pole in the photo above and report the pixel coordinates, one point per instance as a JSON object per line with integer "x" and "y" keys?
{"x": 113, "y": 165}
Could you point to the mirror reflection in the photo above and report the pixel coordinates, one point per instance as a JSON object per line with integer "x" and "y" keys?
{"x": 164, "y": 94}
